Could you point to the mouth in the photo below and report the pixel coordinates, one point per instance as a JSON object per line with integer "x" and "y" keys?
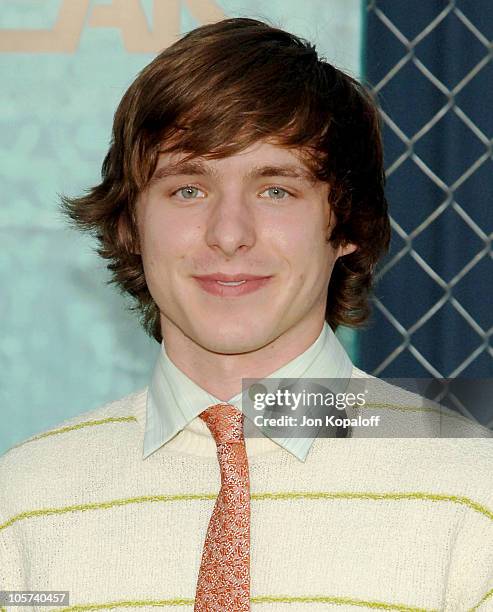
{"x": 223, "y": 286}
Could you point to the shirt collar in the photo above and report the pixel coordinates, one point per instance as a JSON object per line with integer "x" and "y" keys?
{"x": 174, "y": 400}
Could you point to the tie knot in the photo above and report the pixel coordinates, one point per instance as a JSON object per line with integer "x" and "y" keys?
{"x": 225, "y": 423}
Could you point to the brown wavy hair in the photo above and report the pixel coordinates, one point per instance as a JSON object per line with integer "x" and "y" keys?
{"x": 216, "y": 91}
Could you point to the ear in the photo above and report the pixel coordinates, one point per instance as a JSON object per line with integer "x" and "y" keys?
{"x": 346, "y": 249}
{"x": 343, "y": 249}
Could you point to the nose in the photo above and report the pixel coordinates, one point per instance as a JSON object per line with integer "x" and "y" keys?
{"x": 230, "y": 225}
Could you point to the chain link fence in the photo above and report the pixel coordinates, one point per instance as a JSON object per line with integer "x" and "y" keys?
{"x": 412, "y": 153}
{"x": 430, "y": 66}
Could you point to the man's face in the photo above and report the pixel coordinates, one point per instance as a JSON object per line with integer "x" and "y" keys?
{"x": 253, "y": 213}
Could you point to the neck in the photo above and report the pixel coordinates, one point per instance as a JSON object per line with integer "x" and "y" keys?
{"x": 221, "y": 374}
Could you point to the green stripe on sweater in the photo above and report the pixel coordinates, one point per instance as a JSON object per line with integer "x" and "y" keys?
{"x": 339, "y": 601}
{"x": 379, "y": 605}
{"x": 403, "y": 408}
{"x": 394, "y": 496}
{"x": 129, "y": 418}
{"x": 482, "y": 600}
{"x": 61, "y": 430}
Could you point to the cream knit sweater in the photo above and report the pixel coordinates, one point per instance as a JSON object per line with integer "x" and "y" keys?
{"x": 382, "y": 524}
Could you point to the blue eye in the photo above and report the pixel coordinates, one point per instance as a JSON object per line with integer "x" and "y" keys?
{"x": 277, "y": 193}
{"x": 189, "y": 192}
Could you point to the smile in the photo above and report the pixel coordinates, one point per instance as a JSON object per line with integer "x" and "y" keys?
{"x": 232, "y": 288}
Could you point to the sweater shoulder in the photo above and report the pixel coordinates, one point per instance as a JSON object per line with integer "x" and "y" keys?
{"x": 405, "y": 413}
{"x": 124, "y": 408}
{"x": 419, "y": 432}
{"x": 68, "y": 444}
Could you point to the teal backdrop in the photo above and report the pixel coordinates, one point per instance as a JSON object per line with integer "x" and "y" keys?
{"x": 68, "y": 342}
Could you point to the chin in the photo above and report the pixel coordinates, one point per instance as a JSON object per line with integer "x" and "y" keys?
{"x": 231, "y": 340}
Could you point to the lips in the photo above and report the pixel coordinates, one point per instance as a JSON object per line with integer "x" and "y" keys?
{"x": 210, "y": 284}
{"x": 218, "y": 276}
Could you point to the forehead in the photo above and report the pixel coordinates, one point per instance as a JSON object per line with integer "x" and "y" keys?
{"x": 259, "y": 159}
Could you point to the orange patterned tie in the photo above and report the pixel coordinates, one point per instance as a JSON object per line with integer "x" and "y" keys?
{"x": 224, "y": 579}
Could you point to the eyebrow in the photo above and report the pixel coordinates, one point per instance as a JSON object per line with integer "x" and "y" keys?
{"x": 201, "y": 169}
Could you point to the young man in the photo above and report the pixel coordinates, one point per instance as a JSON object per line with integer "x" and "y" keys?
{"x": 242, "y": 206}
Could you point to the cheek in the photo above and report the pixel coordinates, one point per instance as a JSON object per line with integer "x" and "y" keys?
{"x": 309, "y": 248}
{"x": 163, "y": 238}
{"x": 314, "y": 260}
{"x": 309, "y": 260}
{"x": 294, "y": 237}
